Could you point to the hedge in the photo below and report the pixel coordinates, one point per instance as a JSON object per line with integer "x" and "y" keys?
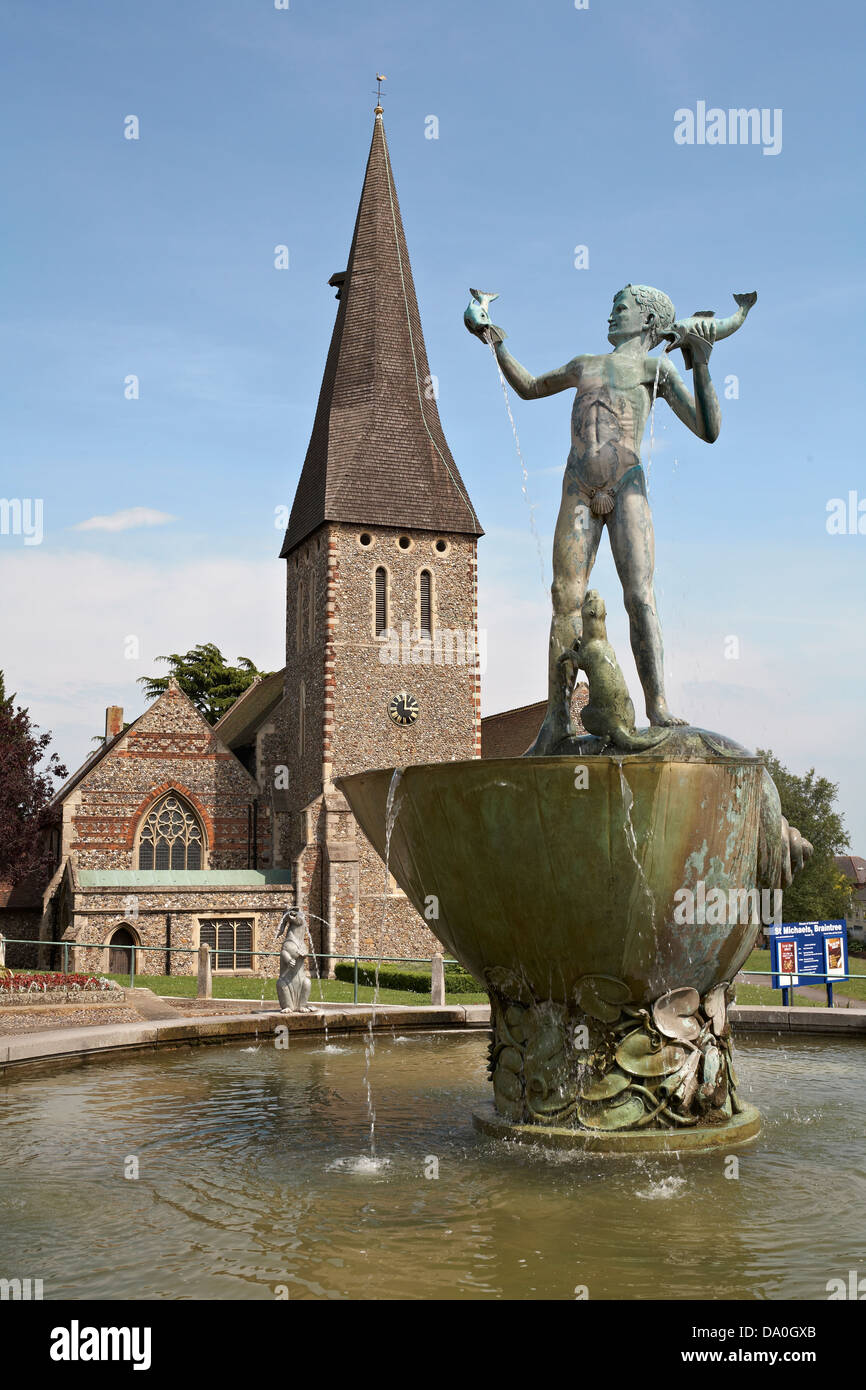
{"x": 457, "y": 980}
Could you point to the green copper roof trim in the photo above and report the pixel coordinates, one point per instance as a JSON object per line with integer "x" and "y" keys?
{"x": 182, "y": 878}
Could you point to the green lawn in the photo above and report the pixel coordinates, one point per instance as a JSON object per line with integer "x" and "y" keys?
{"x": 855, "y": 988}
{"x": 248, "y": 987}
{"x": 340, "y": 991}
{"x": 762, "y": 994}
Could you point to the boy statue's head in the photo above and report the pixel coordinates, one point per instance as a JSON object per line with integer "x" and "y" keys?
{"x": 639, "y": 310}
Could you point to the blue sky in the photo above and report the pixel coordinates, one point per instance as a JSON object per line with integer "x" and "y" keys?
{"x": 155, "y": 257}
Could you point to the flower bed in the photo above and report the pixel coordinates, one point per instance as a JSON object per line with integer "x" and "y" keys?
{"x": 55, "y": 987}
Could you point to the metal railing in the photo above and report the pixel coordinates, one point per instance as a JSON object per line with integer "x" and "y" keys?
{"x": 787, "y": 991}
{"x": 217, "y": 952}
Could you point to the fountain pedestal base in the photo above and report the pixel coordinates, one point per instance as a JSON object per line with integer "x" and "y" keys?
{"x": 739, "y": 1129}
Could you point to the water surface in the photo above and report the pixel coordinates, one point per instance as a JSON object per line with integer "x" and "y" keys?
{"x": 255, "y": 1181}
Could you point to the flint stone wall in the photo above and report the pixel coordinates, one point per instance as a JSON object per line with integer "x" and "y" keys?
{"x": 170, "y": 748}
{"x": 98, "y": 913}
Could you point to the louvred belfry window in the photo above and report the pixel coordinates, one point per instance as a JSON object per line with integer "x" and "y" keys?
{"x": 311, "y": 608}
{"x": 426, "y": 595}
{"x": 300, "y": 613}
{"x": 171, "y": 837}
{"x": 381, "y": 601}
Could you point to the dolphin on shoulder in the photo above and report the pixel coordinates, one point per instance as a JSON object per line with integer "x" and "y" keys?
{"x": 678, "y": 333}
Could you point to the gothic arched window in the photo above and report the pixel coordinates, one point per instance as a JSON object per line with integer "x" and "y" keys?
{"x": 171, "y": 836}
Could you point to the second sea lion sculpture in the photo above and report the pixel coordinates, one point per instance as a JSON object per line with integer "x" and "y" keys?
{"x": 609, "y": 712}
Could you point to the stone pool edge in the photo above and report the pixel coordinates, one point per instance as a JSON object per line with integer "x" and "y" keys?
{"x": 74, "y": 1046}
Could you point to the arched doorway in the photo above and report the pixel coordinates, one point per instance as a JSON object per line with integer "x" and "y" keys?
{"x": 119, "y": 954}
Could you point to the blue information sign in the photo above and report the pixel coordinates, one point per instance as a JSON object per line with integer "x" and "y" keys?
{"x": 803, "y": 949}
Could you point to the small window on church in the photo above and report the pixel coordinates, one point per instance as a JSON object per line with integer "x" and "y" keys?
{"x": 404, "y": 542}
{"x": 230, "y": 940}
{"x": 381, "y": 601}
{"x": 300, "y": 614}
{"x": 311, "y": 608}
{"x": 441, "y": 546}
{"x": 171, "y": 837}
{"x": 426, "y": 604}
{"x": 365, "y": 539}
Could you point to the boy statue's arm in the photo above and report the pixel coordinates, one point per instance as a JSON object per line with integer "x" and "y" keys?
{"x": 701, "y": 412}
{"x": 529, "y": 387}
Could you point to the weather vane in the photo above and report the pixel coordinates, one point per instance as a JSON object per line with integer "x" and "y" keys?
{"x": 380, "y": 78}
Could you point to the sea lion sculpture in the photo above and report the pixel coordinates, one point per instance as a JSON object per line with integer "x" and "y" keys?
{"x": 294, "y": 984}
{"x": 609, "y": 712}
{"x": 678, "y": 333}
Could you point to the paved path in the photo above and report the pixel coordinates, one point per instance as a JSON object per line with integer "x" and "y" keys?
{"x": 150, "y": 1005}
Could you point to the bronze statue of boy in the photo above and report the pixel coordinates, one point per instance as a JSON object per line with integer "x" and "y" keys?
{"x": 604, "y": 483}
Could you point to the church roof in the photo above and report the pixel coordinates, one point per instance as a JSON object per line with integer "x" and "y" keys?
{"x": 377, "y": 454}
{"x": 509, "y": 734}
{"x": 241, "y": 720}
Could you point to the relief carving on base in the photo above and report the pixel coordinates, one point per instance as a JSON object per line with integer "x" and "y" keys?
{"x": 609, "y": 1064}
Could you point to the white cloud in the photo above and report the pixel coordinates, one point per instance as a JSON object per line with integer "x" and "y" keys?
{"x": 125, "y": 520}
{"x": 68, "y": 620}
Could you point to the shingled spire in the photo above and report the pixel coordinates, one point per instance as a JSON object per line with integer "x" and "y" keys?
{"x": 377, "y": 454}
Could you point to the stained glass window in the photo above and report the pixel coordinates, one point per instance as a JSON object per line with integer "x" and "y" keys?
{"x": 171, "y": 837}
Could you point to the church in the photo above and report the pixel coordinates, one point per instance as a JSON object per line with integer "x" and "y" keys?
{"x": 174, "y": 832}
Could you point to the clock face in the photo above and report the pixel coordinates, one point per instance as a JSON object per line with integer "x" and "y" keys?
{"x": 403, "y": 708}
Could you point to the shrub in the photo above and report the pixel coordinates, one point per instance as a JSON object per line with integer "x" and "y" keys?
{"x": 417, "y": 980}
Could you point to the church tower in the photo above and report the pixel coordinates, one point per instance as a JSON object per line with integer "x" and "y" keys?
{"x": 381, "y": 612}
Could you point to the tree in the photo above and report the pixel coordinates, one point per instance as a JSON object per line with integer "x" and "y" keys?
{"x": 820, "y": 892}
{"x": 206, "y": 677}
{"x": 27, "y": 776}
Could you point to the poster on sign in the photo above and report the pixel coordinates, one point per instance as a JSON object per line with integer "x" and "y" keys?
{"x": 800, "y": 950}
{"x": 835, "y": 948}
{"x": 788, "y": 962}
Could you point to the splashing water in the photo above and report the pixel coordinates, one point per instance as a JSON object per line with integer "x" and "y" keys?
{"x": 365, "y": 1164}
{"x": 315, "y": 960}
{"x": 631, "y": 841}
{"x": 652, "y": 422}
{"x": 260, "y": 1010}
{"x": 663, "y": 1189}
{"x": 391, "y": 809}
{"x": 525, "y": 483}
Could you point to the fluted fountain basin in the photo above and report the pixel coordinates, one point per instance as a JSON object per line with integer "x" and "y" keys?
{"x": 537, "y": 872}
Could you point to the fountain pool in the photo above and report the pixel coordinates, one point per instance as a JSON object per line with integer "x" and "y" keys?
{"x": 255, "y": 1177}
